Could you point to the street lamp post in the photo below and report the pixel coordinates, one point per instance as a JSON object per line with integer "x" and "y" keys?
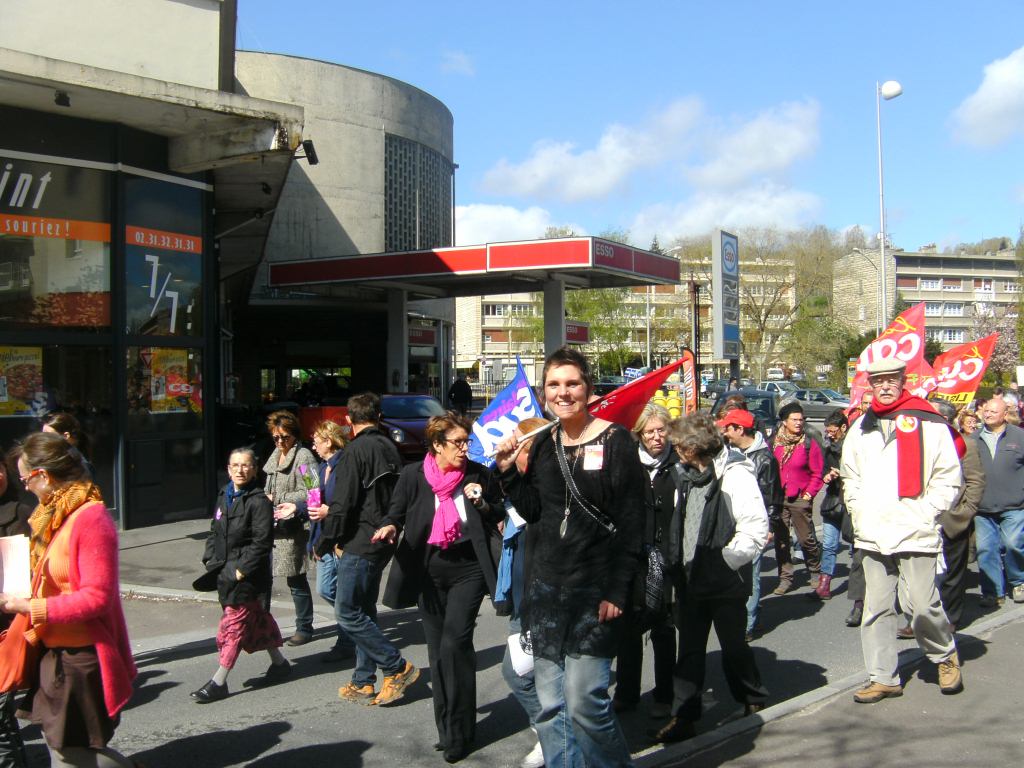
{"x": 890, "y": 89}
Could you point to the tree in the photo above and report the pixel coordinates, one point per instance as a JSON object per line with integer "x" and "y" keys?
{"x": 1002, "y": 320}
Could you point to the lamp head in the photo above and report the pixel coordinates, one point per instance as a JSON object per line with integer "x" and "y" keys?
{"x": 890, "y": 89}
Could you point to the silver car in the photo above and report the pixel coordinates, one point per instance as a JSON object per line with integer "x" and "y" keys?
{"x": 819, "y": 403}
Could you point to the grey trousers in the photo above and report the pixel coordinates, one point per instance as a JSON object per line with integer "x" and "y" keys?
{"x": 913, "y": 574}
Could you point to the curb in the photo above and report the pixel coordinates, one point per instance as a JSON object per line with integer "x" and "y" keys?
{"x": 661, "y": 755}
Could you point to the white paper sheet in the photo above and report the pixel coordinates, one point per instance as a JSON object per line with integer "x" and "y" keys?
{"x": 15, "y": 576}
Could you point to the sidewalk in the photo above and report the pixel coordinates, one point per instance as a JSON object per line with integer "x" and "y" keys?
{"x": 827, "y": 729}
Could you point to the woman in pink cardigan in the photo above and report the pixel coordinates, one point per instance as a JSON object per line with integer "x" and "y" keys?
{"x": 86, "y": 668}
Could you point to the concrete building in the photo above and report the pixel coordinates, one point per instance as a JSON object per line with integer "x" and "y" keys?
{"x": 149, "y": 175}
{"x": 963, "y": 293}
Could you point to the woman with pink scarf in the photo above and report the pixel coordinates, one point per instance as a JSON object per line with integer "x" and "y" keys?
{"x": 447, "y": 509}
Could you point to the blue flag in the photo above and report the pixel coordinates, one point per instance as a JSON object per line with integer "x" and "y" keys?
{"x": 499, "y": 419}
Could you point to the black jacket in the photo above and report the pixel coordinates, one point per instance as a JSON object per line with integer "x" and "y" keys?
{"x": 363, "y": 483}
{"x": 412, "y": 512}
{"x": 833, "y": 508}
{"x": 242, "y": 538}
{"x": 13, "y": 522}
{"x": 766, "y": 469}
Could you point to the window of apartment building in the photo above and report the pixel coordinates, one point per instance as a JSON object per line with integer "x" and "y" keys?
{"x": 953, "y": 335}
{"x": 487, "y": 338}
{"x": 984, "y": 285}
{"x": 957, "y": 285}
{"x": 954, "y": 309}
{"x": 933, "y": 334}
{"x": 522, "y": 310}
{"x": 930, "y": 284}
{"x": 1011, "y": 286}
{"x": 494, "y": 310}
{"x": 933, "y": 309}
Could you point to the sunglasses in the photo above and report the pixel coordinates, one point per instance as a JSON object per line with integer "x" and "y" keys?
{"x": 283, "y": 438}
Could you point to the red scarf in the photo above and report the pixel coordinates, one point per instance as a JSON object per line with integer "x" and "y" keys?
{"x": 906, "y": 412}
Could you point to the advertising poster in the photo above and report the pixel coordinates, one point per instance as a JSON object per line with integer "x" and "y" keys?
{"x": 169, "y": 386}
{"x": 21, "y": 379}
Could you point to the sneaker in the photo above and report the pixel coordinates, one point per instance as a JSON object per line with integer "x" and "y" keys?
{"x": 991, "y": 601}
{"x": 210, "y": 692}
{"x": 950, "y": 679}
{"x": 360, "y": 694}
{"x": 393, "y": 687}
{"x": 673, "y": 731}
{"x": 658, "y": 710}
{"x": 873, "y": 692}
{"x": 534, "y": 758}
{"x": 1018, "y": 593}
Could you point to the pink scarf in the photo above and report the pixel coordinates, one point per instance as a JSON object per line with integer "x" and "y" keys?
{"x": 446, "y": 527}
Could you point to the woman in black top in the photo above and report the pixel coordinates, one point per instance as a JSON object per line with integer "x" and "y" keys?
{"x": 587, "y": 552}
{"x": 448, "y": 508}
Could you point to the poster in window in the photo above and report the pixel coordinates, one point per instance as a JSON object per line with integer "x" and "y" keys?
{"x": 169, "y": 384}
{"x": 21, "y": 380}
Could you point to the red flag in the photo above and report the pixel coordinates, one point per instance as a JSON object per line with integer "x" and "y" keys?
{"x": 903, "y": 339}
{"x": 623, "y": 405}
{"x": 958, "y": 372}
{"x": 688, "y": 378}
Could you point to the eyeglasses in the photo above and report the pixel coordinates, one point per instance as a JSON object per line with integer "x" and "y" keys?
{"x": 240, "y": 467}
{"x": 460, "y": 444}
{"x": 652, "y": 432}
{"x": 29, "y": 476}
{"x": 282, "y": 438}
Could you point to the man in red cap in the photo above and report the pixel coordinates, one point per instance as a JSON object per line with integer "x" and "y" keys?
{"x": 901, "y": 472}
{"x": 739, "y": 431}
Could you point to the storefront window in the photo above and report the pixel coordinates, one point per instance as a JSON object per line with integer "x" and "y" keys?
{"x": 165, "y": 389}
{"x": 54, "y": 246}
{"x": 163, "y": 258}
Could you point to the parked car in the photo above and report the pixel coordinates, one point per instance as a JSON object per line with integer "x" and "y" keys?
{"x": 775, "y": 374}
{"x": 783, "y": 388}
{"x": 716, "y": 387}
{"x": 404, "y": 417}
{"x": 764, "y": 405}
{"x": 606, "y": 384}
{"x": 819, "y": 403}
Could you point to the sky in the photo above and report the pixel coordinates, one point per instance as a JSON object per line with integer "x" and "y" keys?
{"x": 668, "y": 119}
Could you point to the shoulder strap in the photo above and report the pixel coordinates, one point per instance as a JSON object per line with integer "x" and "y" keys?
{"x": 603, "y": 520}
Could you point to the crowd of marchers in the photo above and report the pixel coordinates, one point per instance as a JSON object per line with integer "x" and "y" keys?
{"x": 587, "y": 535}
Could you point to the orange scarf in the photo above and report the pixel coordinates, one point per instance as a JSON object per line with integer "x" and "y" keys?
{"x": 47, "y": 518}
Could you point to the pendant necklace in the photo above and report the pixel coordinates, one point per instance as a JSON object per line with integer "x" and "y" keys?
{"x": 564, "y": 527}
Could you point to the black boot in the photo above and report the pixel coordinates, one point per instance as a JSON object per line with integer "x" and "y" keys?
{"x": 853, "y": 620}
{"x": 12, "y": 748}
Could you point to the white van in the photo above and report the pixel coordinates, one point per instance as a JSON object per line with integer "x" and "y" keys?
{"x": 774, "y": 374}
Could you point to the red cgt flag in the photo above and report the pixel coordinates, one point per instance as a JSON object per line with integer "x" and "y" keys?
{"x": 623, "y": 405}
{"x": 903, "y": 339}
{"x": 958, "y": 372}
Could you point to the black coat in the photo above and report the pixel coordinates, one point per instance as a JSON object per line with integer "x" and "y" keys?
{"x": 769, "y": 480}
{"x": 412, "y": 512}
{"x": 242, "y": 538}
{"x": 13, "y": 522}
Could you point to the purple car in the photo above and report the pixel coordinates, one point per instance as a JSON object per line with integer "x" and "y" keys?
{"x": 404, "y": 417}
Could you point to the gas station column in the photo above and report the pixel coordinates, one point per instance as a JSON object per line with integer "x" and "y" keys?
{"x": 398, "y": 342}
{"x": 554, "y": 316}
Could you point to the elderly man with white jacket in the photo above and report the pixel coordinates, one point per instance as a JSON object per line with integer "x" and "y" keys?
{"x": 900, "y": 471}
{"x": 718, "y": 526}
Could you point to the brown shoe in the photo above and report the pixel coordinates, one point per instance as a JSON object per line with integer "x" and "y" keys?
{"x": 675, "y": 730}
{"x": 950, "y": 679}
{"x": 784, "y": 586}
{"x": 360, "y": 694}
{"x": 905, "y": 633}
{"x": 873, "y": 692}
{"x": 393, "y": 687}
{"x": 752, "y": 709}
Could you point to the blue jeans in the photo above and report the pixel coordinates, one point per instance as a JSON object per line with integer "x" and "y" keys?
{"x": 578, "y": 687}
{"x": 995, "y": 535}
{"x": 830, "y": 544}
{"x": 326, "y": 586}
{"x": 754, "y": 601}
{"x": 355, "y": 609}
{"x": 302, "y": 597}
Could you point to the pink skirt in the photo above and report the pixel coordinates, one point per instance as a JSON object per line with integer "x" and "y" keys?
{"x": 247, "y": 627}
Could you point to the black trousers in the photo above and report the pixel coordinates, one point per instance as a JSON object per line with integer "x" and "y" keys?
{"x": 954, "y": 581}
{"x": 448, "y": 606}
{"x": 12, "y": 748}
{"x": 855, "y": 584}
{"x": 729, "y": 617}
{"x": 629, "y": 664}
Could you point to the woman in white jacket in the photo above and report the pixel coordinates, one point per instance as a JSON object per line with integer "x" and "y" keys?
{"x": 719, "y": 525}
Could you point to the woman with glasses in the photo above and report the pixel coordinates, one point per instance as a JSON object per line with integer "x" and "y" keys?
{"x": 658, "y": 458}
{"x": 291, "y": 470}
{"x": 447, "y": 508}
{"x": 85, "y": 669}
{"x": 237, "y": 558}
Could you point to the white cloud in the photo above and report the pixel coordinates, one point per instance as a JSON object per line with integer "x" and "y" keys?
{"x": 768, "y": 144}
{"x": 760, "y": 205}
{"x": 561, "y": 170}
{"x": 994, "y": 113}
{"x": 457, "y": 63}
{"x": 478, "y": 223}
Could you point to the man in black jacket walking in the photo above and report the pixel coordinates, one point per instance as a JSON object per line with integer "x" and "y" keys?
{"x": 366, "y": 476}
{"x": 738, "y": 429}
